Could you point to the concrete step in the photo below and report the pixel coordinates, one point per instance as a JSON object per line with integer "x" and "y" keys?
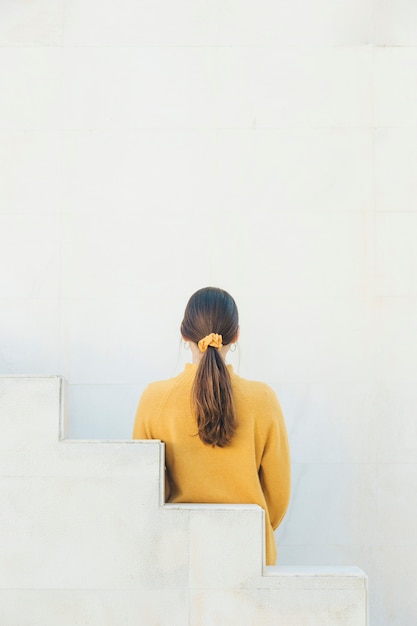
{"x": 85, "y": 537}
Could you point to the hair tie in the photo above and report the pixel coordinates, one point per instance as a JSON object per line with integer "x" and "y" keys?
{"x": 213, "y": 340}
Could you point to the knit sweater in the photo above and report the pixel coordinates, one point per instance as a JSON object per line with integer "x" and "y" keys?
{"x": 254, "y": 469}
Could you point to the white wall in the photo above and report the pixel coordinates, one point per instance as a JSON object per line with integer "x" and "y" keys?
{"x": 148, "y": 149}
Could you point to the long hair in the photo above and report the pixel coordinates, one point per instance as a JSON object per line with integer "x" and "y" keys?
{"x": 212, "y": 310}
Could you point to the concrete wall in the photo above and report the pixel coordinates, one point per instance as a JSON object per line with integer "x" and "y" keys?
{"x": 148, "y": 149}
{"x": 84, "y": 538}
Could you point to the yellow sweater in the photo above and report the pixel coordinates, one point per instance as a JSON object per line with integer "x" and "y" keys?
{"x": 254, "y": 469}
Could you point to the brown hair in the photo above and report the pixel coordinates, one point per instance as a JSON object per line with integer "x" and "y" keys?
{"x": 212, "y": 310}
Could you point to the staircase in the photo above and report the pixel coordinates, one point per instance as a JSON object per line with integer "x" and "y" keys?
{"x": 86, "y": 539}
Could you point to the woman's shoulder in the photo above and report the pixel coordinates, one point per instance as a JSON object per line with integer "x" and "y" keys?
{"x": 255, "y": 389}
{"x": 259, "y": 400}
{"x": 160, "y": 388}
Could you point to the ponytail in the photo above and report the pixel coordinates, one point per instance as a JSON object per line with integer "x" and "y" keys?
{"x": 213, "y": 400}
{"x": 212, "y": 310}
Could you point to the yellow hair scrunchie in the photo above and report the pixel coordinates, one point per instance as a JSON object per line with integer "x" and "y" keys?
{"x": 211, "y": 340}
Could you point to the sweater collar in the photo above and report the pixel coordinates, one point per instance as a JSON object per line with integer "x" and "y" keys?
{"x": 192, "y": 367}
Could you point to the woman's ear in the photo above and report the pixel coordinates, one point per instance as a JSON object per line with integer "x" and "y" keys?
{"x": 236, "y": 337}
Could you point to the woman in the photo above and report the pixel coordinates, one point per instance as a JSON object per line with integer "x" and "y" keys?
{"x": 225, "y": 436}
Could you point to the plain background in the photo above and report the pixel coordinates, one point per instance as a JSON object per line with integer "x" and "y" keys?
{"x": 151, "y": 148}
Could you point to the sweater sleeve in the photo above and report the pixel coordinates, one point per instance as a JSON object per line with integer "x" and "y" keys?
{"x": 275, "y": 469}
{"x": 144, "y": 427}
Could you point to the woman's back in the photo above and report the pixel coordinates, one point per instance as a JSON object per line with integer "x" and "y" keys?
{"x": 253, "y": 468}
